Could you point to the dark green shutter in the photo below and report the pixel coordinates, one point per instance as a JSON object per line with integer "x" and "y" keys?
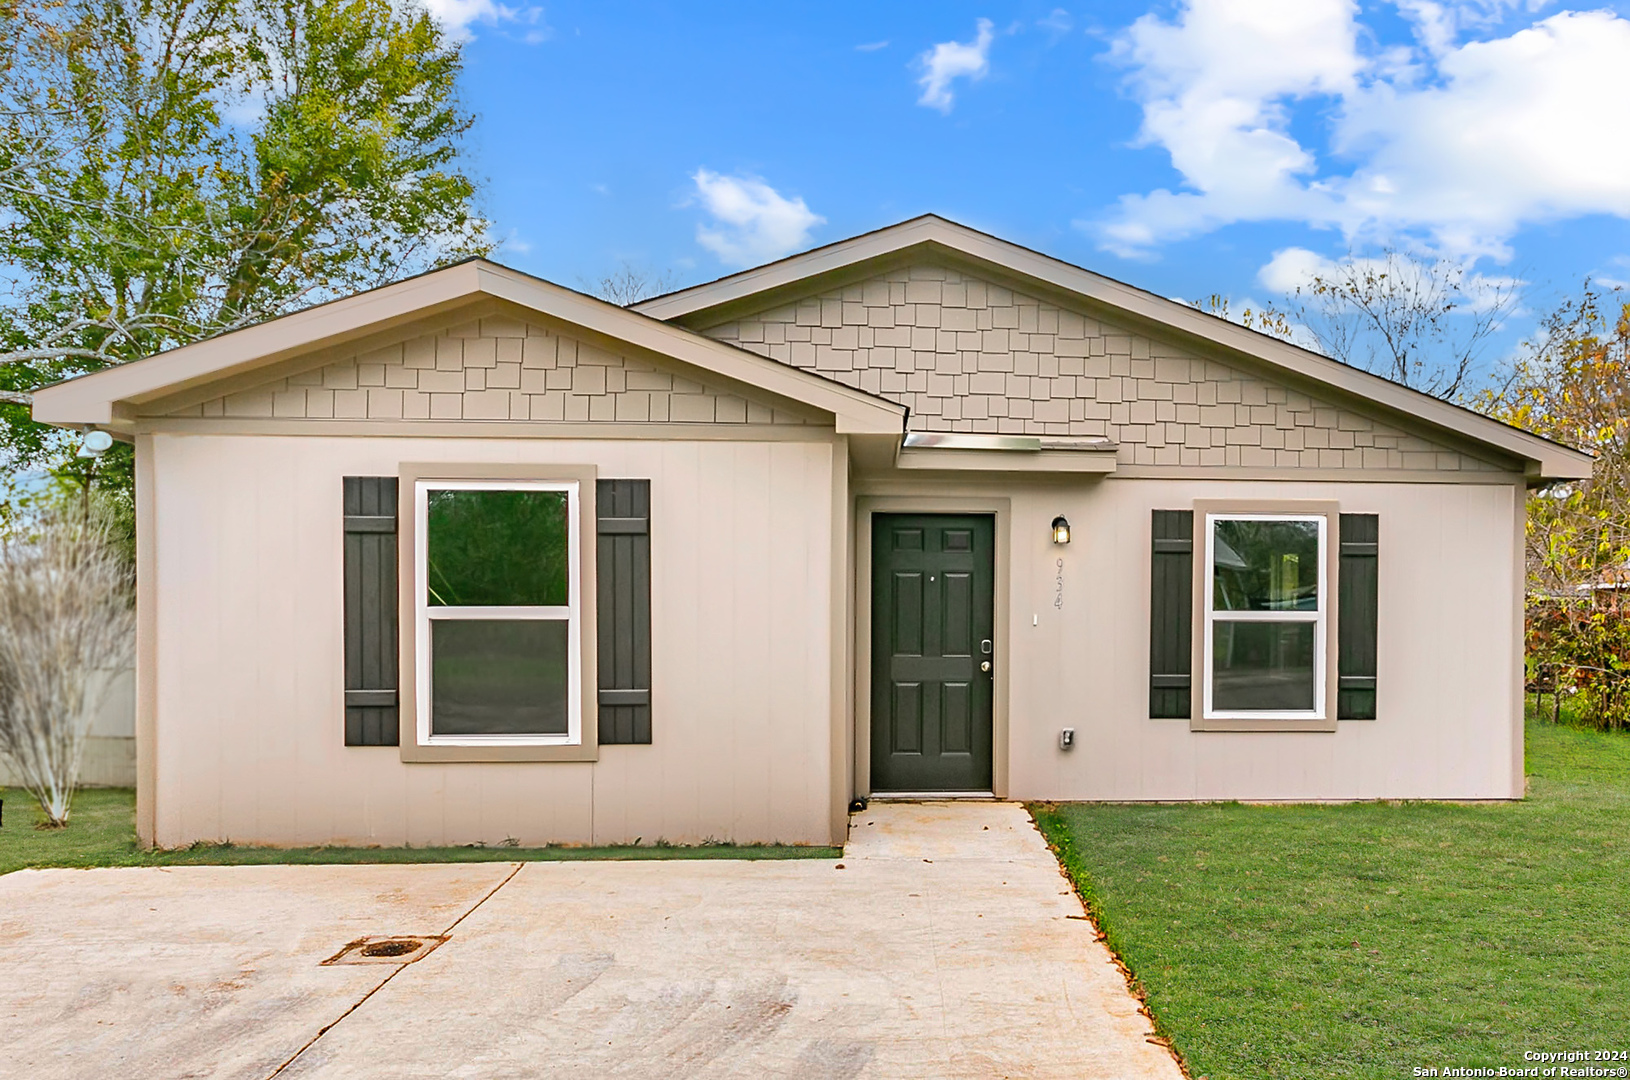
{"x": 623, "y": 611}
{"x": 1357, "y": 586}
{"x": 1171, "y": 614}
{"x": 370, "y": 611}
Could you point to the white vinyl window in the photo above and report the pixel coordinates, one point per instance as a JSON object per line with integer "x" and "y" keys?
{"x": 497, "y": 597}
{"x": 1266, "y": 601}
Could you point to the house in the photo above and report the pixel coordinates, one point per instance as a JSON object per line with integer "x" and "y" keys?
{"x": 474, "y": 557}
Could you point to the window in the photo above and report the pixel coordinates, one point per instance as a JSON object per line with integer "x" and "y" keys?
{"x": 1265, "y": 614}
{"x": 498, "y": 595}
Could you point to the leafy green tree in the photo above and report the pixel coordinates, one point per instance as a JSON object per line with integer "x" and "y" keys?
{"x": 1573, "y": 385}
{"x": 175, "y": 169}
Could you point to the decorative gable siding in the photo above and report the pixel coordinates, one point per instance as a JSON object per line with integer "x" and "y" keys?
{"x": 492, "y": 369}
{"x": 969, "y": 355}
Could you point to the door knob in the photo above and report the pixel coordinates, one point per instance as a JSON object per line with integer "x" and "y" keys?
{"x": 984, "y": 665}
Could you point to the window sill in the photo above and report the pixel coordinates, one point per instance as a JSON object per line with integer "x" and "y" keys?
{"x": 431, "y": 752}
{"x": 1251, "y": 724}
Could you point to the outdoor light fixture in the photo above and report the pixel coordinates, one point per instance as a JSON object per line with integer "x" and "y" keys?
{"x": 1061, "y": 530}
{"x": 95, "y": 444}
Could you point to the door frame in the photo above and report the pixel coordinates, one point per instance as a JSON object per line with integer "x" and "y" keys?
{"x": 1001, "y": 509}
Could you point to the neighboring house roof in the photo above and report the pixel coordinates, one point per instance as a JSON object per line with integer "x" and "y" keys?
{"x": 720, "y": 301}
{"x": 109, "y": 398}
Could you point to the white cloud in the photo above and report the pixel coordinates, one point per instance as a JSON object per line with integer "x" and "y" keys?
{"x": 1612, "y": 279}
{"x": 753, "y": 223}
{"x": 1295, "y": 267}
{"x": 513, "y": 242}
{"x": 871, "y": 46}
{"x": 1213, "y": 87}
{"x": 456, "y": 17}
{"x": 1438, "y": 24}
{"x": 953, "y": 60}
{"x": 1525, "y": 128}
{"x": 1457, "y": 143}
{"x": 1057, "y": 22}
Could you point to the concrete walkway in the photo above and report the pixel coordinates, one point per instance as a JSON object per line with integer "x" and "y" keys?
{"x": 945, "y": 943}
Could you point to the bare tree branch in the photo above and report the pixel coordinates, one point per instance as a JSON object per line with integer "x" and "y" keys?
{"x": 1265, "y": 321}
{"x": 24, "y": 356}
{"x": 1420, "y": 323}
{"x": 629, "y": 284}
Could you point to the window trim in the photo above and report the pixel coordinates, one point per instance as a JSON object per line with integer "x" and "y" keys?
{"x": 1321, "y": 718}
{"x": 1319, "y": 617}
{"x": 416, "y": 744}
{"x": 424, "y": 613}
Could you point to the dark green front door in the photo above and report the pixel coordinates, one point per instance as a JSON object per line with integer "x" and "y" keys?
{"x": 932, "y": 661}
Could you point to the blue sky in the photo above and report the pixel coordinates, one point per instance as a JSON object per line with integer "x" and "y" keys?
{"x": 1189, "y": 148}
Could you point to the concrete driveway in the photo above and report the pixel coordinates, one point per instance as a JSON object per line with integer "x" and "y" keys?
{"x": 944, "y": 943}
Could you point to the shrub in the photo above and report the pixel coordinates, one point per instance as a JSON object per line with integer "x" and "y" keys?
{"x": 66, "y": 626}
{"x": 1583, "y": 650}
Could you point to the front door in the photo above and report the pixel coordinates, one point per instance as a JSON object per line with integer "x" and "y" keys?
{"x": 933, "y": 581}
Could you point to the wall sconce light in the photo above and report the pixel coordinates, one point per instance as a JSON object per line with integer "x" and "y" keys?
{"x": 1061, "y": 530}
{"x": 94, "y": 444}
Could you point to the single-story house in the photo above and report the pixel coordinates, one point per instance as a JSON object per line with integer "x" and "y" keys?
{"x": 476, "y": 558}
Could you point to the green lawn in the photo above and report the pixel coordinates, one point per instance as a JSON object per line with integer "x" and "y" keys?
{"x": 1366, "y": 940}
{"x": 101, "y": 831}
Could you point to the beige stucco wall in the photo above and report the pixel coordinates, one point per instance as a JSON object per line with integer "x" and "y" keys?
{"x": 243, "y": 608}
{"x": 1448, "y": 662}
{"x": 758, "y": 668}
{"x": 966, "y": 354}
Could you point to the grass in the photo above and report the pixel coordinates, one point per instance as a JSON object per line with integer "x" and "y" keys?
{"x": 1370, "y": 939}
{"x": 101, "y": 831}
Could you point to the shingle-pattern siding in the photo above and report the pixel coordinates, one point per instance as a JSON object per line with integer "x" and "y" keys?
{"x": 492, "y": 369}
{"x": 966, "y": 354}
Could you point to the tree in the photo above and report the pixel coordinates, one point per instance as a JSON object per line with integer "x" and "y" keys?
{"x": 175, "y": 169}
{"x": 1572, "y": 384}
{"x": 1423, "y": 324}
{"x": 629, "y": 284}
{"x": 1266, "y": 320}
{"x": 66, "y": 627}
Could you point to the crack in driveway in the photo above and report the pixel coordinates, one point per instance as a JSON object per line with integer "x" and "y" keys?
{"x": 325, "y": 1029}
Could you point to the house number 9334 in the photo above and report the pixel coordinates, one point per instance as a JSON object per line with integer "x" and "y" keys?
{"x": 1058, "y": 585}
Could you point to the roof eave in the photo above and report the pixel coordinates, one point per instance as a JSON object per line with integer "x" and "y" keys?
{"x": 105, "y": 397}
{"x": 109, "y": 398}
{"x": 1544, "y": 460}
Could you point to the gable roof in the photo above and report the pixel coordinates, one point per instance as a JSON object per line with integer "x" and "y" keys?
{"x": 109, "y": 398}
{"x": 776, "y": 283}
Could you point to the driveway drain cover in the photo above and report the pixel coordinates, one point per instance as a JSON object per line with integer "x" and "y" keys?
{"x": 385, "y": 950}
